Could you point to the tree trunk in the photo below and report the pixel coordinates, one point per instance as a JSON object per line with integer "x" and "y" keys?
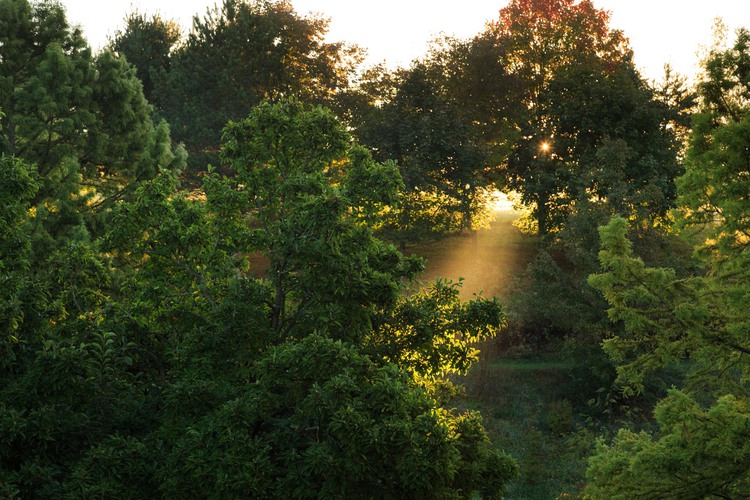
{"x": 542, "y": 214}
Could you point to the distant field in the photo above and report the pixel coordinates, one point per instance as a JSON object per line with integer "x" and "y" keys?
{"x": 488, "y": 260}
{"x": 525, "y": 402}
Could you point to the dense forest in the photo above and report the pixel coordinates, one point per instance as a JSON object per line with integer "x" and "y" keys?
{"x": 212, "y": 274}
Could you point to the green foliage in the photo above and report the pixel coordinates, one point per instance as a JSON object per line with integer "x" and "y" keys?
{"x": 238, "y": 55}
{"x": 700, "y": 321}
{"x": 426, "y": 126}
{"x": 593, "y": 131}
{"x": 180, "y": 253}
{"x": 433, "y": 333}
{"x": 161, "y": 357}
{"x": 146, "y": 43}
{"x": 81, "y": 120}
{"x": 667, "y": 319}
{"x": 67, "y": 395}
{"x": 168, "y": 365}
{"x": 699, "y": 452}
{"x": 323, "y": 420}
{"x": 715, "y": 185}
{"x": 117, "y": 467}
{"x": 293, "y": 169}
{"x": 147, "y": 348}
{"x": 18, "y": 184}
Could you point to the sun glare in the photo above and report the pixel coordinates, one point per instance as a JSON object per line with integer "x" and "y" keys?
{"x": 499, "y": 202}
{"x": 544, "y": 146}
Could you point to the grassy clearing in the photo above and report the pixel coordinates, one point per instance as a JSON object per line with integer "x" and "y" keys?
{"x": 529, "y": 411}
{"x": 531, "y": 406}
{"x": 487, "y": 260}
{"x": 530, "y": 365}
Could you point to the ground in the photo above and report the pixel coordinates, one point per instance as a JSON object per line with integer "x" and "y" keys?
{"x": 526, "y": 399}
{"x": 487, "y": 260}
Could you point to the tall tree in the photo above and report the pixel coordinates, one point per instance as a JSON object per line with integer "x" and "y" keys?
{"x": 609, "y": 141}
{"x": 240, "y": 54}
{"x": 447, "y": 122}
{"x": 432, "y": 145}
{"x": 294, "y": 170}
{"x": 540, "y": 37}
{"x": 147, "y": 44}
{"x": 699, "y": 448}
{"x": 574, "y": 144}
{"x": 81, "y": 120}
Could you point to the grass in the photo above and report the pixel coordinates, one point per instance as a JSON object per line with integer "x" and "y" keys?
{"x": 528, "y": 412}
{"x": 529, "y": 405}
{"x": 487, "y": 260}
{"x": 531, "y": 365}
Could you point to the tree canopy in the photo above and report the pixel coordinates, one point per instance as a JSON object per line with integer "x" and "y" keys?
{"x": 237, "y": 55}
{"x": 190, "y": 371}
{"x": 699, "y": 448}
{"x": 81, "y": 120}
{"x": 250, "y": 327}
{"x": 449, "y": 130}
{"x": 592, "y": 132}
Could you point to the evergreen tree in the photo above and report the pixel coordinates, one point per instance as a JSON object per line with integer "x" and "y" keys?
{"x": 701, "y": 322}
{"x": 81, "y": 120}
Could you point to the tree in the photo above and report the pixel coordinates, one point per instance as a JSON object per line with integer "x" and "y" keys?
{"x": 240, "y": 54}
{"x": 299, "y": 178}
{"x": 161, "y": 340}
{"x": 326, "y": 312}
{"x": 699, "y": 447}
{"x": 82, "y": 120}
{"x": 700, "y": 322}
{"x": 608, "y": 134}
{"x": 447, "y": 128}
{"x": 540, "y": 37}
{"x": 419, "y": 129}
{"x": 592, "y": 128}
{"x": 714, "y": 189}
{"x": 147, "y": 44}
{"x": 322, "y": 419}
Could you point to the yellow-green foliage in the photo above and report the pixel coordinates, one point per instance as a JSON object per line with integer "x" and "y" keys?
{"x": 701, "y": 446}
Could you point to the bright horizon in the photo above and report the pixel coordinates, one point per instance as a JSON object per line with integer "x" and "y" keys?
{"x": 398, "y": 31}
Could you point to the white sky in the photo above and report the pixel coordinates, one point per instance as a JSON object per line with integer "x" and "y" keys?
{"x": 397, "y": 31}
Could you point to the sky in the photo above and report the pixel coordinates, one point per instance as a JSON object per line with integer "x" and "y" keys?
{"x": 398, "y": 31}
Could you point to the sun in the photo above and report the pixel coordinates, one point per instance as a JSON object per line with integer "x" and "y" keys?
{"x": 544, "y": 147}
